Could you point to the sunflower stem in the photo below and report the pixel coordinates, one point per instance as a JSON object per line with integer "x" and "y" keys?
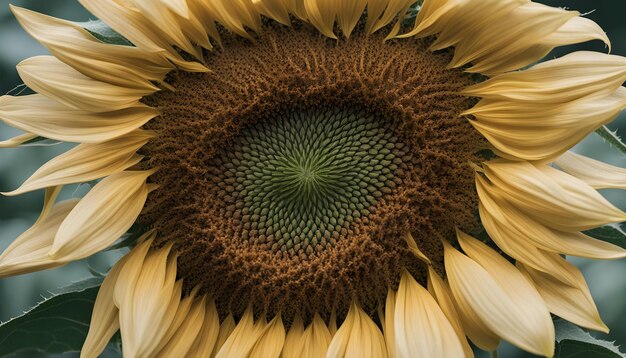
{"x": 612, "y": 138}
{"x": 493, "y": 354}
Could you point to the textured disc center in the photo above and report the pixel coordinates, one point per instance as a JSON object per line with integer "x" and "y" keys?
{"x": 302, "y": 180}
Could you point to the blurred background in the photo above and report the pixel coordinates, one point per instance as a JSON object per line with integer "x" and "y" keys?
{"x": 607, "y": 279}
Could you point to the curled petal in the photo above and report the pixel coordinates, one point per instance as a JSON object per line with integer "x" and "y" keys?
{"x": 124, "y": 66}
{"x": 102, "y": 216}
{"x": 42, "y": 116}
{"x": 49, "y": 76}
{"x": 87, "y": 162}
{"x": 551, "y": 197}
{"x": 29, "y": 252}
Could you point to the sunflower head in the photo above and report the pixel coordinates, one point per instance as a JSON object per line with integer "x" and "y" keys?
{"x": 299, "y": 165}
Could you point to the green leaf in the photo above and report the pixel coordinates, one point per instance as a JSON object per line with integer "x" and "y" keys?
{"x": 57, "y": 325}
{"x": 612, "y": 138}
{"x": 574, "y": 342}
{"x": 610, "y": 233}
{"x": 104, "y": 33}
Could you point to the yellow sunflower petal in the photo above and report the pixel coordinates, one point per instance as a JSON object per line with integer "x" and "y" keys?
{"x": 44, "y": 117}
{"x": 105, "y": 317}
{"x": 315, "y": 339}
{"x": 275, "y": 9}
{"x": 271, "y": 341}
{"x": 559, "y": 81}
{"x": 206, "y": 339}
{"x": 294, "y": 341}
{"x": 322, "y": 14}
{"x": 500, "y": 36}
{"x": 389, "y": 329}
{"x": 17, "y": 140}
{"x": 593, "y": 172}
{"x": 148, "y": 297}
{"x": 243, "y": 337}
{"x": 186, "y": 333}
{"x": 575, "y": 304}
{"x": 49, "y": 76}
{"x": 226, "y": 328}
{"x": 381, "y": 13}
{"x": 358, "y": 336}
{"x": 29, "y": 252}
{"x": 551, "y": 197}
{"x": 537, "y": 132}
{"x": 169, "y": 22}
{"x": 124, "y": 66}
{"x": 515, "y": 313}
{"x": 102, "y": 216}
{"x": 348, "y": 14}
{"x": 421, "y": 327}
{"x": 87, "y": 162}
{"x": 442, "y": 294}
{"x": 523, "y": 237}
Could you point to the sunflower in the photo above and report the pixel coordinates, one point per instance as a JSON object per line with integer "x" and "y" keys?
{"x": 311, "y": 176}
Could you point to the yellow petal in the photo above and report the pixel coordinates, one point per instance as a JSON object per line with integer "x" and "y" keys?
{"x": 235, "y": 15}
{"x": 49, "y": 76}
{"x": 561, "y": 80}
{"x": 499, "y": 294}
{"x": 315, "y": 339}
{"x": 226, "y": 329}
{"x": 87, "y": 162}
{"x": 170, "y": 23}
{"x": 551, "y": 197}
{"x": 294, "y": 341}
{"x": 523, "y": 238}
{"x": 124, "y": 66}
{"x": 126, "y": 19}
{"x": 421, "y": 327}
{"x": 41, "y": 116}
{"x": 442, "y": 294}
{"x": 389, "y": 329}
{"x": 358, "y": 337}
{"x": 415, "y": 249}
{"x": 322, "y": 14}
{"x": 275, "y": 9}
{"x": 348, "y": 14}
{"x": 148, "y": 297}
{"x": 498, "y": 36}
{"x": 243, "y": 337}
{"x": 105, "y": 317}
{"x": 540, "y": 132}
{"x": 593, "y": 172}
{"x": 186, "y": 333}
{"x": 271, "y": 341}
{"x": 17, "y": 140}
{"x": 102, "y": 216}
{"x": 29, "y": 252}
{"x": 574, "y": 303}
{"x": 206, "y": 339}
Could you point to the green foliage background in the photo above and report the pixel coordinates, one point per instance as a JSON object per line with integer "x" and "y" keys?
{"x": 607, "y": 280}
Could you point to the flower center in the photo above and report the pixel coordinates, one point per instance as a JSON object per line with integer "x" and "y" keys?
{"x": 292, "y": 173}
{"x": 303, "y": 180}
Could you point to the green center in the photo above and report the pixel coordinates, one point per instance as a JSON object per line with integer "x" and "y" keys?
{"x": 306, "y": 178}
